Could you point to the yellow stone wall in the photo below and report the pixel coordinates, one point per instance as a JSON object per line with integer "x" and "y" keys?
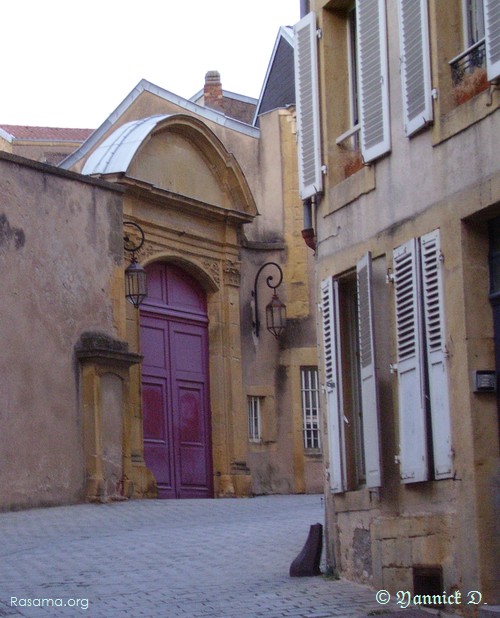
{"x": 271, "y": 368}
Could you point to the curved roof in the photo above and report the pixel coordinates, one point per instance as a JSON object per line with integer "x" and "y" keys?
{"x": 147, "y": 87}
{"x": 116, "y": 152}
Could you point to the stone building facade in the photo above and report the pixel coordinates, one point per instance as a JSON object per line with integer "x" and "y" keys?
{"x": 181, "y": 398}
{"x": 398, "y": 116}
{"x": 216, "y": 201}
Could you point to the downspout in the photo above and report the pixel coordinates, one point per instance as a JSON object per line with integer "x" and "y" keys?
{"x": 308, "y": 232}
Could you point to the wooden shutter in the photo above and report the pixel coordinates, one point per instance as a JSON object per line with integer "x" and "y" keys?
{"x": 415, "y": 64}
{"x": 369, "y": 391}
{"x": 436, "y": 355}
{"x": 492, "y": 28}
{"x": 410, "y": 371}
{"x": 307, "y": 102}
{"x": 333, "y": 384}
{"x": 373, "y": 78}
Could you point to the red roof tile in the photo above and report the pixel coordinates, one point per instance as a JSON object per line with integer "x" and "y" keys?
{"x": 51, "y": 134}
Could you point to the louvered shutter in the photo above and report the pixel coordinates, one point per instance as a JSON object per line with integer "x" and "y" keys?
{"x": 411, "y": 402}
{"x": 492, "y": 28}
{"x": 369, "y": 391}
{"x": 331, "y": 349}
{"x": 307, "y": 105}
{"x": 415, "y": 64}
{"x": 373, "y": 78}
{"x": 436, "y": 354}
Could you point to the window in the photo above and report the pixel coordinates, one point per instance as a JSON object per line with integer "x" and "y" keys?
{"x": 350, "y": 380}
{"x": 474, "y": 55}
{"x": 307, "y": 101}
{"x": 349, "y": 141}
{"x": 310, "y": 407}
{"x": 424, "y": 411}
{"x": 254, "y": 419}
{"x": 415, "y": 64}
{"x": 373, "y": 78}
{"x": 474, "y": 22}
{"x": 353, "y": 67}
{"x": 481, "y": 20}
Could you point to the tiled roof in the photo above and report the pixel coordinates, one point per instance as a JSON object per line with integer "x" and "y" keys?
{"x": 51, "y": 134}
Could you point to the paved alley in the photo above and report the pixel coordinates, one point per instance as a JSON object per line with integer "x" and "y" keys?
{"x": 174, "y": 559}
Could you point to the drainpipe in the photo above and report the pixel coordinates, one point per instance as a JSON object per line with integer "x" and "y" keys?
{"x": 308, "y": 231}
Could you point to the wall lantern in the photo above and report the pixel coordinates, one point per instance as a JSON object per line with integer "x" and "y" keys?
{"x": 275, "y": 310}
{"x": 136, "y": 285}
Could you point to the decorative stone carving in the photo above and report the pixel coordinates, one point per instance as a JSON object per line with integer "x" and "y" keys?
{"x": 232, "y": 273}
{"x": 212, "y": 267}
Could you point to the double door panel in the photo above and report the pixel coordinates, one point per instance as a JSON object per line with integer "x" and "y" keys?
{"x": 176, "y": 406}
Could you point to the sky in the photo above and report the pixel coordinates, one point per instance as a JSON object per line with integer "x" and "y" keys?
{"x": 69, "y": 63}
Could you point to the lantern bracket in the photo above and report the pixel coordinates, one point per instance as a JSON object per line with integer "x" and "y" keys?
{"x": 270, "y": 284}
{"x": 131, "y": 245}
{"x": 135, "y": 276}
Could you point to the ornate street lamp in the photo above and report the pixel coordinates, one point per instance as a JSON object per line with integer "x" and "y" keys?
{"x": 275, "y": 310}
{"x": 136, "y": 285}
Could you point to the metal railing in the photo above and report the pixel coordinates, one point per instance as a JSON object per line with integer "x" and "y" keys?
{"x": 468, "y": 61}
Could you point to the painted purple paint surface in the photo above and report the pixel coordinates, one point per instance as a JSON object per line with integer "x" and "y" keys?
{"x": 175, "y": 393}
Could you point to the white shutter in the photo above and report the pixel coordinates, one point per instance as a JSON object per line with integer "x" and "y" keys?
{"x": 373, "y": 78}
{"x": 333, "y": 384}
{"x": 369, "y": 391}
{"x": 492, "y": 27}
{"x": 411, "y": 402}
{"x": 307, "y": 102}
{"x": 436, "y": 355}
{"x": 415, "y": 64}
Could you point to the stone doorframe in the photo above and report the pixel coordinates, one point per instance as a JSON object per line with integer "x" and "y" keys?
{"x": 100, "y": 356}
{"x": 221, "y": 280}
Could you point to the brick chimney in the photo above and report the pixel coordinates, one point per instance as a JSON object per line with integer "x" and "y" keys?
{"x": 212, "y": 91}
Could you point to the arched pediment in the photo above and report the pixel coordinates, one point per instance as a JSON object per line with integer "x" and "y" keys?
{"x": 179, "y": 154}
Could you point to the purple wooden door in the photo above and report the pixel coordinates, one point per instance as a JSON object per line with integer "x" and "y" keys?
{"x": 175, "y": 396}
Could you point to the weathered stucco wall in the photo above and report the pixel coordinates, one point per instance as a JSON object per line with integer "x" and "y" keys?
{"x": 445, "y": 177}
{"x": 61, "y": 256}
{"x": 272, "y": 369}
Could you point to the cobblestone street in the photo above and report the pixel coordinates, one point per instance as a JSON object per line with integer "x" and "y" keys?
{"x": 173, "y": 559}
{"x": 189, "y": 558}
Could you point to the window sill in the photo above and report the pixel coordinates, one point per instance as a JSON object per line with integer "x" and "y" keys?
{"x": 352, "y": 188}
{"x": 466, "y": 115}
{"x": 357, "y": 500}
{"x": 313, "y": 453}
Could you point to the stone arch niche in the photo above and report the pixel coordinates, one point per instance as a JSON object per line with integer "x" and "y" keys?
{"x": 104, "y": 384}
{"x": 191, "y": 198}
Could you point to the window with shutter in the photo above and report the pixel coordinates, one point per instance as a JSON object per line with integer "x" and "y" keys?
{"x": 350, "y": 380}
{"x": 333, "y": 384}
{"x": 412, "y": 413}
{"x": 492, "y": 27}
{"x": 373, "y": 78}
{"x": 307, "y": 102}
{"x": 369, "y": 394}
{"x": 415, "y": 64}
{"x": 424, "y": 408}
{"x": 436, "y": 355}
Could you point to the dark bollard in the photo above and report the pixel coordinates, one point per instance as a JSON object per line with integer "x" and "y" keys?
{"x": 306, "y": 564}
